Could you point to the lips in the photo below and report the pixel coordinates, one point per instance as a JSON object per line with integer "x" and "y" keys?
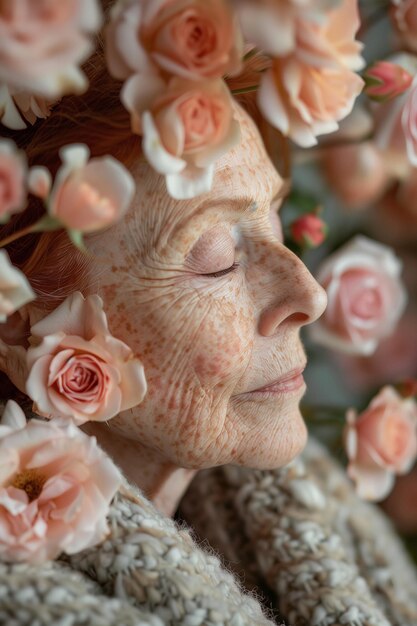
{"x": 289, "y": 382}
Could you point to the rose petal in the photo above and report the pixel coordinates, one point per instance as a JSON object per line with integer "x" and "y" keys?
{"x": 158, "y": 157}
{"x": 190, "y": 183}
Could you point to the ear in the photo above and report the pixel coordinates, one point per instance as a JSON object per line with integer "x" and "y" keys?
{"x": 13, "y": 342}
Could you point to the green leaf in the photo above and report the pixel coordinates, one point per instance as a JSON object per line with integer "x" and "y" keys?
{"x": 304, "y": 202}
{"x": 76, "y": 237}
{"x": 47, "y": 223}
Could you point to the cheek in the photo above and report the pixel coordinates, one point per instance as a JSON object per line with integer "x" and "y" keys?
{"x": 195, "y": 348}
{"x": 223, "y": 345}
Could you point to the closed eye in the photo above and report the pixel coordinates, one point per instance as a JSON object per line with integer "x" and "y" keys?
{"x": 222, "y": 272}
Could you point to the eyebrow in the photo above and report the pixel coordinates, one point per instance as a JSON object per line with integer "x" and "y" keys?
{"x": 245, "y": 202}
{"x": 241, "y": 204}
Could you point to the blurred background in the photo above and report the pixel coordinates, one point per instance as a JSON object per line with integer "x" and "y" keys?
{"x": 357, "y": 182}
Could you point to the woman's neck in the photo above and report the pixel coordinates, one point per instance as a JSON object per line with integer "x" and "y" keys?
{"x": 161, "y": 481}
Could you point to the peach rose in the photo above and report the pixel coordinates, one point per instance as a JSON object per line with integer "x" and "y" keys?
{"x": 381, "y": 442}
{"x": 42, "y": 44}
{"x": 404, "y": 18}
{"x": 186, "y": 126}
{"x": 365, "y": 295}
{"x": 356, "y": 172}
{"x": 77, "y": 369}
{"x": 273, "y": 25}
{"x": 12, "y": 180}
{"x": 55, "y": 490}
{"x": 307, "y": 92}
{"x": 194, "y": 39}
{"x": 15, "y": 290}
{"x": 86, "y": 195}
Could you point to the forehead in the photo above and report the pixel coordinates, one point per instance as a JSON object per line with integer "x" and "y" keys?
{"x": 246, "y": 170}
{"x": 244, "y": 179}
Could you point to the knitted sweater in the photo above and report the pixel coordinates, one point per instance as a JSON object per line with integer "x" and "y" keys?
{"x": 297, "y": 538}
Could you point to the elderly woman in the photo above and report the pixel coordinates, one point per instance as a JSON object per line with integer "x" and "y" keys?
{"x": 207, "y": 294}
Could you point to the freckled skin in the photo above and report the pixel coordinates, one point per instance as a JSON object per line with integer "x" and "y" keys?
{"x": 205, "y": 341}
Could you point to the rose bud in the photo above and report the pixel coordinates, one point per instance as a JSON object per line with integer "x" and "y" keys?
{"x": 309, "y": 231}
{"x": 408, "y": 388}
{"x": 87, "y": 194}
{"x": 385, "y": 80}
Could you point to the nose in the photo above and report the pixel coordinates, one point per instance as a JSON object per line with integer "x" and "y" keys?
{"x": 289, "y": 293}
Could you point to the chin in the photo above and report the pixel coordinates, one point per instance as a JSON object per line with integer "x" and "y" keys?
{"x": 276, "y": 441}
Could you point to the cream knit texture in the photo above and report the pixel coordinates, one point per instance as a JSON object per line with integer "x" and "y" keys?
{"x": 328, "y": 558}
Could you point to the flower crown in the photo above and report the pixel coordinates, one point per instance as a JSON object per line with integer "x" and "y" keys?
{"x": 175, "y": 59}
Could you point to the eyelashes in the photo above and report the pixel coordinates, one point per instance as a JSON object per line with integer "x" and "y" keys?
{"x": 221, "y": 273}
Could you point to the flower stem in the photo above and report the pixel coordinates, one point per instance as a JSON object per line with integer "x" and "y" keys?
{"x": 46, "y": 222}
{"x": 237, "y": 92}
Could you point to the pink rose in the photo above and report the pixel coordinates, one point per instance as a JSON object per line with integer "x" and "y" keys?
{"x": 273, "y": 25}
{"x": 381, "y": 442}
{"x": 86, "y": 195}
{"x": 42, "y": 44}
{"x": 12, "y": 180}
{"x": 365, "y": 296}
{"x": 193, "y": 39}
{"x": 15, "y": 290}
{"x": 186, "y": 126}
{"x": 307, "y": 92}
{"x": 356, "y": 172}
{"x": 404, "y": 18}
{"x": 77, "y": 369}
{"x": 55, "y": 489}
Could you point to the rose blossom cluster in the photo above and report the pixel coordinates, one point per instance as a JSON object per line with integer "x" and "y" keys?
{"x": 56, "y": 484}
{"x": 172, "y": 57}
{"x": 381, "y": 442}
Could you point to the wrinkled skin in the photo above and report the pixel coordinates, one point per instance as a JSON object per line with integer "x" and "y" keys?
{"x": 204, "y": 340}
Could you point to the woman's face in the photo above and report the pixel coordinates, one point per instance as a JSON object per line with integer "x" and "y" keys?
{"x": 207, "y": 295}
